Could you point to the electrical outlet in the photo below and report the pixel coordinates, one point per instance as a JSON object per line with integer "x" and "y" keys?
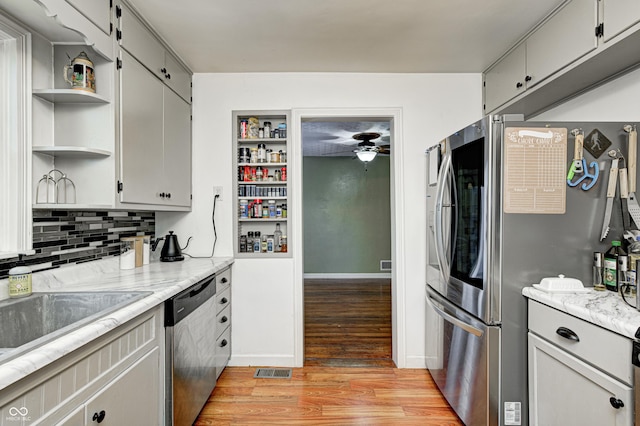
{"x": 217, "y": 190}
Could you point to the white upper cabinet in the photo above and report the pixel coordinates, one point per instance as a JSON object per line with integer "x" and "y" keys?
{"x": 140, "y": 42}
{"x": 97, "y": 11}
{"x": 565, "y": 37}
{"x": 619, "y": 15}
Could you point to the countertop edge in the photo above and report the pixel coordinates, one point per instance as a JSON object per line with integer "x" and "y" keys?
{"x": 602, "y": 308}
{"x": 163, "y": 279}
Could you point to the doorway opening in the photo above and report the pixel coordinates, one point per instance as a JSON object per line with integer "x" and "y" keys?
{"x": 347, "y": 292}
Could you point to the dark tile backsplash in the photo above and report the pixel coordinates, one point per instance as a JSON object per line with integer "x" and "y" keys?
{"x": 62, "y": 237}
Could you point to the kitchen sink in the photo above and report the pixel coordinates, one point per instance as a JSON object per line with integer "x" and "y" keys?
{"x": 32, "y": 321}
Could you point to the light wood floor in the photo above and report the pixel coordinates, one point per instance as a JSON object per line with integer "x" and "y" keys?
{"x": 348, "y": 378}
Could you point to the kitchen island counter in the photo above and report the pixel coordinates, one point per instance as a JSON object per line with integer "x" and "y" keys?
{"x": 163, "y": 280}
{"x": 603, "y": 308}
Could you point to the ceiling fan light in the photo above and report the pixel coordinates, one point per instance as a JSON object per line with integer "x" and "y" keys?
{"x": 366, "y": 156}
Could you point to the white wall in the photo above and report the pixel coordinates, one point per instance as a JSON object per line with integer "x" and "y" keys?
{"x": 433, "y": 106}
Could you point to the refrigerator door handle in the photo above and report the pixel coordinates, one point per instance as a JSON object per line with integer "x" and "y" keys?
{"x": 440, "y": 248}
{"x": 450, "y": 318}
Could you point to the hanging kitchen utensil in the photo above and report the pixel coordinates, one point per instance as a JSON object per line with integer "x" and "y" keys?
{"x": 611, "y": 193}
{"x": 82, "y": 73}
{"x": 576, "y": 164}
{"x": 624, "y": 193}
{"x": 632, "y": 201}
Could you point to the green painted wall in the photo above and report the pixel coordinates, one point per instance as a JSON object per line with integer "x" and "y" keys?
{"x": 347, "y": 214}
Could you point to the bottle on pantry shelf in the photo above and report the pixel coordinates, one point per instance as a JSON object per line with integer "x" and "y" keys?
{"x": 263, "y": 246}
{"x": 265, "y": 212}
{"x": 262, "y": 153}
{"x": 270, "y": 244}
{"x": 249, "y": 242}
{"x": 244, "y": 209}
{"x": 282, "y": 128}
{"x": 253, "y": 155}
{"x": 243, "y": 244}
{"x": 279, "y": 211}
{"x": 267, "y": 129}
{"x": 257, "y": 208}
{"x": 19, "y": 279}
{"x": 610, "y": 271}
{"x": 261, "y": 133}
{"x": 256, "y": 242}
{"x": 277, "y": 238}
{"x": 283, "y": 244}
{"x": 272, "y": 208}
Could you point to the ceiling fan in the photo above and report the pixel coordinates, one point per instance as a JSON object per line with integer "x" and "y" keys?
{"x": 367, "y": 150}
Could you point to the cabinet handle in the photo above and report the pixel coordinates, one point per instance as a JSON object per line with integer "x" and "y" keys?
{"x": 518, "y": 85}
{"x": 168, "y": 76}
{"x": 168, "y": 195}
{"x": 567, "y": 334}
{"x": 161, "y": 195}
{"x": 224, "y": 280}
{"x": 528, "y": 78}
{"x": 224, "y": 319}
{"x": 616, "y": 403}
{"x": 224, "y": 343}
{"x": 163, "y": 70}
{"x": 99, "y": 417}
{"x": 223, "y": 300}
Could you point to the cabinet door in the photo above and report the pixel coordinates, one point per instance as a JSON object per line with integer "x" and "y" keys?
{"x": 133, "y": 398}
{"x": 141, "y": 133}
{"x": 563, "y": 390}
{"x": 97, "y": 11}
{"x": 505, "y": 80}
{"x": 141, "y": 43}
{"x": 177, "y": 77}
{"x": 565, "y": 37}
{"x": 177, "y": 150}
{"x": 618, "y": 16}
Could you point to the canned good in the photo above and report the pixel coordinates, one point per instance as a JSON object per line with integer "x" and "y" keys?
{"x": 244, "y": 128}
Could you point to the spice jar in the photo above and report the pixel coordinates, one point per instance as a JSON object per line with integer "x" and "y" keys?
{"x": 262, "y": 153}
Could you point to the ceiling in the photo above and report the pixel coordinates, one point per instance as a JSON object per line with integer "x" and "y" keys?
{"x": 382, "y": 36}
{"x": 413, "y": 36}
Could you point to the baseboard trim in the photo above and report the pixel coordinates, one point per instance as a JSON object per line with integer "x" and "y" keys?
{"x": 346, "y": 276}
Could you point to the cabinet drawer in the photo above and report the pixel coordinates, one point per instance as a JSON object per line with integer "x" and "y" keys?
{"x": 223, "y": 320}
{"x": 224, "y": 299}
{"x": 223, "y": 280}
{"x": 602, "y": 348}
{"x": 223, "y": 351}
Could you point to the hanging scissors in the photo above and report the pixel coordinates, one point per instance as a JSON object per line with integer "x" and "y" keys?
{"x": 586, "y": 174}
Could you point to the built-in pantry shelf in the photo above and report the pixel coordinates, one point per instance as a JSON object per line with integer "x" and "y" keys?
{"x": 70, "y": 96}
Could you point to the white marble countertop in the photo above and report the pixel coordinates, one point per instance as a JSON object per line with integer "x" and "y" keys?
{"x": 162, "y": 279}
{"x": 603, "y": 308}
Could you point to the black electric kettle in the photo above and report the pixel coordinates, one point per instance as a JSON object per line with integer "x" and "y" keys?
{"x": 171, "y": 251}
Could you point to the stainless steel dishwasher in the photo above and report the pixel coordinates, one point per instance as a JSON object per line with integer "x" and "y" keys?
{"x": 190, "y": 319}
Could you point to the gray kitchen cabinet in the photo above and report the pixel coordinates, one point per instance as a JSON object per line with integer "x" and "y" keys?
{"x": 97, "y": 11}
{"x": 579, "y": 373}
{"x": 223, "y": 320}
{"x": 618, "y": 16}
{"x": 119, "y": 374}
{"x": 563, "y": 38}
{"x": 136, "y": 38}
{"x": 155, "y": 139}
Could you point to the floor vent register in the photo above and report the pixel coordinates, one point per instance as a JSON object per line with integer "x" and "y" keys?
{"x": 272, "y": 373}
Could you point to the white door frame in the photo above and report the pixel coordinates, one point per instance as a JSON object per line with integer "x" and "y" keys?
{"x": 398, "y": 302}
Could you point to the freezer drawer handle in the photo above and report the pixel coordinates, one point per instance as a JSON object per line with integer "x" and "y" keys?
{"x": 616, "y": 403}
{"x": 567, "y": 334}
{"x": 455, "y": 321}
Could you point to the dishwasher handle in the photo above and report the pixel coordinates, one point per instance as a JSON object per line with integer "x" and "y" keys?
{"x": 200, "y": 288}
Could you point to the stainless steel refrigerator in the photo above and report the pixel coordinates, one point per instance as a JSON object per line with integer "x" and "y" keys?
{"x": 502, "y": 216}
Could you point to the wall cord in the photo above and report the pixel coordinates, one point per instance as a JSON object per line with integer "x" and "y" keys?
{"x": 215, "y": 232}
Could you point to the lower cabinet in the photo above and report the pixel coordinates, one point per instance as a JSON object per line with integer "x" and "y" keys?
{"x": 579, "y": 373}
{"x": 223, "y": 320}
{"x": 115, "y": 380}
